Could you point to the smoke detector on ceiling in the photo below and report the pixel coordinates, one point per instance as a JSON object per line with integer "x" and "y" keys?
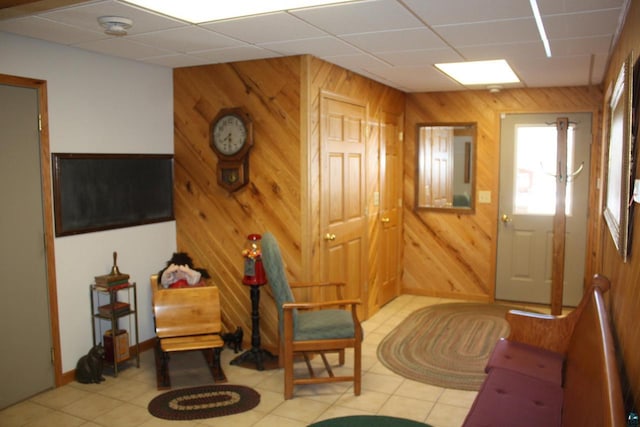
{"x": 115, "y": 25}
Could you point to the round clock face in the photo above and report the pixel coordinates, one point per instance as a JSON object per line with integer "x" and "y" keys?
{"x": 229, "y": 134}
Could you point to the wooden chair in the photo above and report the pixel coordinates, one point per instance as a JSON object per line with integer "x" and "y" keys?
{"x": 311, "y": 328}
{"x": 186, "y": 319}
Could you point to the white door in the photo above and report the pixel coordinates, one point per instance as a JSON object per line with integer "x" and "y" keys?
{"x": 529, "y": 174}
{"x": 25, "y": 362}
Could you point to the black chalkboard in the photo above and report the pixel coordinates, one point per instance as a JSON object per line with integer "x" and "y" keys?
{"x": 95, "y": 192}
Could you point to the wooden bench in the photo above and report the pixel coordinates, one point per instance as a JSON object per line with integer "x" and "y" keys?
{"x": 554, "y": 371}
{"x": 186, "y": 319}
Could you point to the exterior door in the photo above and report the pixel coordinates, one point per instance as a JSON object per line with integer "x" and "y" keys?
{"x": 529, "y": 173}
{"x": 390, "y": 208}
{"x": 26, "y": 367}
{"x": 343, "y": 220}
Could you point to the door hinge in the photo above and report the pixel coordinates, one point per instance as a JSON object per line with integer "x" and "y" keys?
{"x": 39, "y": 122}
{"x": 53, "y": 356}
{"x": 400, "y": 136}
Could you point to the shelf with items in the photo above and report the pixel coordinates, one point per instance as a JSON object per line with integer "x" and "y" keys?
{"x": 107, "y": 307}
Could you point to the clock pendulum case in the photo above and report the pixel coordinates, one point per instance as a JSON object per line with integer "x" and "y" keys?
{"x": 231, "y": 139}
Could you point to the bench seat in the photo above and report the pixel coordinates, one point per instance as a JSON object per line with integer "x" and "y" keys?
{"x": 553, "y": 371}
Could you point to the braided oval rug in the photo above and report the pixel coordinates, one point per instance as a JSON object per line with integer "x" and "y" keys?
{"x": 446, "y": 345}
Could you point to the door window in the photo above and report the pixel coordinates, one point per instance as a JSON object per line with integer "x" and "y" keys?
{"x": 536, "y": 170}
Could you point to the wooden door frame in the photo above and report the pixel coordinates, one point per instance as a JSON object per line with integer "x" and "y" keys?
{"x": 47, "y": 209}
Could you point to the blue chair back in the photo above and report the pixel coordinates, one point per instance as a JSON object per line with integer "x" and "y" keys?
{"x": 276, "y": 275}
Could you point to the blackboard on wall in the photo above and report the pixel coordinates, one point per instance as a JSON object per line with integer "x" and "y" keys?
{"x": 95, "y": 192}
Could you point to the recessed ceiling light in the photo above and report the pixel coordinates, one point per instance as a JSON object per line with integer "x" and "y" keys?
{"x": 480, "y": 72}
{"x": 199, "y": 11}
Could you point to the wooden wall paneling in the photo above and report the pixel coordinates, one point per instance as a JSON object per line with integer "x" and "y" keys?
{"x": 624, "y": 296}
{"x": 212, "y": 224}
{"x": 282, "y": 96}
{"x": 453, "y": 255}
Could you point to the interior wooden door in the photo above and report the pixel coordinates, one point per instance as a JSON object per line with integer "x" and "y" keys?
{"x": 390, "y": 208}
{"x": 342, "y": 204}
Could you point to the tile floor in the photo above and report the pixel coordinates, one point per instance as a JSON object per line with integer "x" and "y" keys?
{"x": 122, "y": 401}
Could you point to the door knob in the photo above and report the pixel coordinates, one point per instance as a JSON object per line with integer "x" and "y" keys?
{"x": 329, "y": 236}
{"x": 506, "y": 218}
{"x": 384, "y": 219}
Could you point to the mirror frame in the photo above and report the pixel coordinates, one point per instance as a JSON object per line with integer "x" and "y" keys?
{"x": 470, "y": 168}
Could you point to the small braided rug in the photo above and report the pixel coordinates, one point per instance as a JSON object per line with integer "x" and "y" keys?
{"x": 447, "y": 345}
{"x": 204, "y": 402}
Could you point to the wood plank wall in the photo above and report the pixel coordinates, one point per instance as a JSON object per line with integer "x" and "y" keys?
{"x": 453, "y": 255}
{"x": 625, "y": 277}
{"x": 283, "y": 96}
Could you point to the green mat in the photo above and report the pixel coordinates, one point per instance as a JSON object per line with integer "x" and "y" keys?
{"x": 368, "y": 421}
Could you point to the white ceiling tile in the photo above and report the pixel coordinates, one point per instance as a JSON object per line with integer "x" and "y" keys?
{"x": 533, "y": 49}
{"x": 271, "y": 27}
{"x": 434, "y": 12}
{"x": 86, "y": 16}
{"x": 355, "y": 62}
{"x": 243, "y": 53}
{"x": 388, "y": 41}
{"x": 36, "y": 27}
{"x": 185, "y": 39}
{"x": 564, "y": 71}
{"x": 423, "y": 79}
{"x": 359, "y": 17}
{"x": 176, "y": 61}
{"x": 581, "y": 45}
{"x": 513, "y": 30}
{"x": 413, "y": 58}
{"x": 324, "y": 46}
{"x": 548, "y": 7}
{"x": 395, "y": 42}
{"x": 120, "y": 46}
{"x": 582, "y": 24}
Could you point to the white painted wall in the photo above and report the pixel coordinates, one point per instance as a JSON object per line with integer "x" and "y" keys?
{"x": 100, "y": 104}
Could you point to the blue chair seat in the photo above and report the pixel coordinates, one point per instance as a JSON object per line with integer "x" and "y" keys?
{"x": 324, "y": 324}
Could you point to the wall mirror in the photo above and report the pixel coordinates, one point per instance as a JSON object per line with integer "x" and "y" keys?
{"x": 445, "y": 173}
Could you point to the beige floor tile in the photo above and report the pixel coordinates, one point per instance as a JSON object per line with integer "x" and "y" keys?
{"x": 460, "y": 398}
{"x": 56, "y": 419}
{"x": 369, "y": 401}
{"x": 23, "y": 413}
{"x": 340, "y": 411}
{"x": 405, "y": 407}
{"x": 387, "y": 383}
{"x": 125, "y": 415}
{"x": 443, "y": 415}
{"x": 59, "y": 397}
{"x": 302, "y": 409}
{"x": 275, "y": 420}
{"x": 420, "y": 391}
{"x": 92, "y": 406}
{"x": 244, "y": 419}
{"x": 123, "y": 401}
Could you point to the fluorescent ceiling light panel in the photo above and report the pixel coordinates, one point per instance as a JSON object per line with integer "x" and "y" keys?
{"x": 198, "y": 11}
{"x": 543, "y": 33}
{"x": 480, "y": 72}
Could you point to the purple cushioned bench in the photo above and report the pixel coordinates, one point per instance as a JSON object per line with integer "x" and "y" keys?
{"x": 553, "y": 371}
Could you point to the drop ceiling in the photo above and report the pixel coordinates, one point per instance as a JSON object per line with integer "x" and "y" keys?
{"x": 395, "y": 42}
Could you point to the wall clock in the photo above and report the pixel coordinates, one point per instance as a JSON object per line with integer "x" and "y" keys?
{"x": 231, "y": 139}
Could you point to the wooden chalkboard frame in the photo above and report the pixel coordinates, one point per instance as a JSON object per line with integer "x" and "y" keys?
{"x": 94, "y": 192}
